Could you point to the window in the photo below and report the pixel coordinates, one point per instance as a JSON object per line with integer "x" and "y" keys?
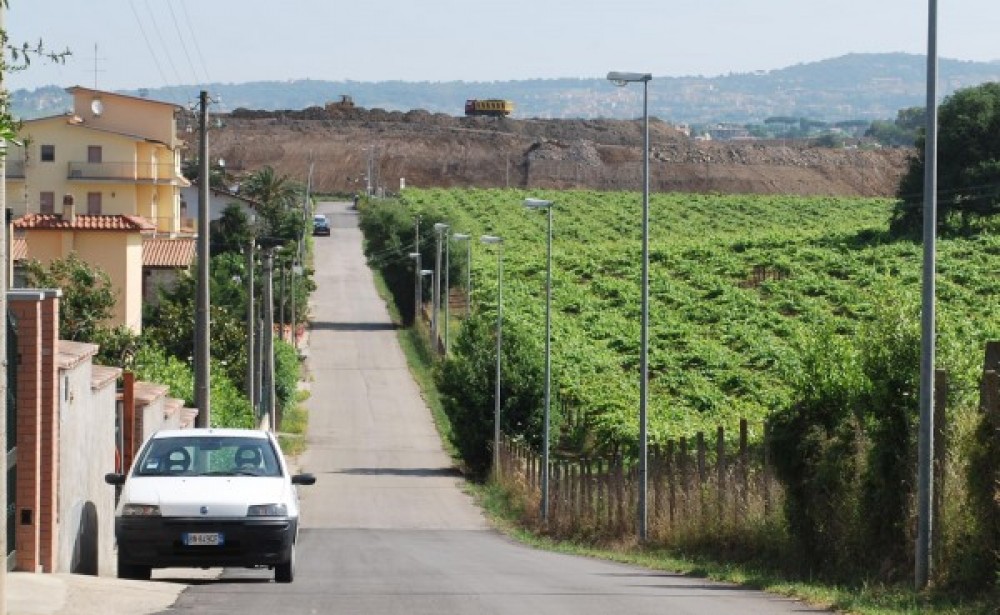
{"x": 47, "y": 203}
{"x": 94, "y": 154}
{"x": 94, "y": 203}
{"x": 48, "y": 153}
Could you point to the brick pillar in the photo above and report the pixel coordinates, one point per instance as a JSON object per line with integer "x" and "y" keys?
{"x": 26, "y": 307}
{"x": 49, "y": 441}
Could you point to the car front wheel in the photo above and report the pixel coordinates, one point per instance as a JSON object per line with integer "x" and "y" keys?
{"x": 285, "y": 572}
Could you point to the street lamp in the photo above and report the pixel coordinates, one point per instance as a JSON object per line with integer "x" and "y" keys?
{"x": 417, "y": 295}
{"x": 623, "y": 79}
{"x": 468, "y": 269}
{"x": 440, "y": 229}
{"x": 493, "y": 239}
{"x": 547, "y": 206}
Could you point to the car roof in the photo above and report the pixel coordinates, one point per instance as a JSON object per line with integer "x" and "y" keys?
{"x": 206, "y": 432}
{"x": 319, "y": 217}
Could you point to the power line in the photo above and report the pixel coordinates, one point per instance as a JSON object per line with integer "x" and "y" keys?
{"x": 180, "y": 38}
{"x": 166, "y": 48}
{"x": 149, "y": 45}
{"x": 194, "y": 37}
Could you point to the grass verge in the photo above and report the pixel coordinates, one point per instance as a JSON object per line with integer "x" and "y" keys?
{"x": 294, "y": 422}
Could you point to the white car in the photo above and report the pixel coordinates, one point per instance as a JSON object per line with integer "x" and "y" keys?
{"x": 205, "y": 498}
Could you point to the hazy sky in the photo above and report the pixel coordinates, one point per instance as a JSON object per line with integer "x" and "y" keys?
{"x": 150, "y": 43}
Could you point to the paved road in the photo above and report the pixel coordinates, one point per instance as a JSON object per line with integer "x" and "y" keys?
{"x": 387, "y": 528}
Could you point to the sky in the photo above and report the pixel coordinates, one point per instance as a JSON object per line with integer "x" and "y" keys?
{"x": 130, "y": 44}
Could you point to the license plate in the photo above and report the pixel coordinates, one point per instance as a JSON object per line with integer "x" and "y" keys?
{"x": 203, "y": 539}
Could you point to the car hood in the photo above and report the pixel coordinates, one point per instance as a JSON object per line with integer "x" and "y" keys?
{"x": 211, "y": 496}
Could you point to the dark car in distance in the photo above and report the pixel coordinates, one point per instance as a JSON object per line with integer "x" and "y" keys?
{"x": 320, "y": 225}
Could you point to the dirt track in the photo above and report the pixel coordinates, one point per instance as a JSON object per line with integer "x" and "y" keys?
{"x": 439, "y": 150}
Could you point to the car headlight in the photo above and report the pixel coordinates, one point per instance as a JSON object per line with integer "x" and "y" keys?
{"x": 267, "y": 510}
{"x": 140, "y": 510}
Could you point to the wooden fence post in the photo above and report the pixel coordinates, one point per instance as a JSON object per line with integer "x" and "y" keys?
{"x": 744, "y": 471}
{"x": 671, "y": 485}
{"x": 702, "y": 476}
{"x": 940, "y": 449}
{"x": 720, "y": 471}
{"x": 684, "y": 480}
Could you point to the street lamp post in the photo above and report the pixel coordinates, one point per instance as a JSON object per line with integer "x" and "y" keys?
{"x": 493, "y": 239}
{"x": 622, "y": 79}
{"x": 440, "y": 229}
{"x": 416, "y": 286}
{"x": 468, "y": 270}
{"x": 547, "y": 206}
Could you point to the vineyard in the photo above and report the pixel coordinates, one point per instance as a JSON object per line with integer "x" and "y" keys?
{"x": 737, "y": 285}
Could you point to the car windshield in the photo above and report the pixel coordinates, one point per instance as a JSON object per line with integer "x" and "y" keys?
{"x": 209, "y": 456}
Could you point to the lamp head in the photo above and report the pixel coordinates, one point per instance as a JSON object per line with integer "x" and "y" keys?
{"x": 426, "y": 272}
{"x": 538, "y": 203}
{"x": 460, "y": 237}
{"x": 414, "y": 254}
{"x": 440, "y": 226}
{"x": 622, "y": 78}
{"x": 490, "y": 239}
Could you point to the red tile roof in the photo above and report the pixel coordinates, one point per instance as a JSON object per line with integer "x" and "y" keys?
{"x": 84, "y": 222}
{"x": 168, "y": 253}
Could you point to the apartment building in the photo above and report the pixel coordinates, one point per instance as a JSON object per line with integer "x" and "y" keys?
{"x": 97, "y": 181}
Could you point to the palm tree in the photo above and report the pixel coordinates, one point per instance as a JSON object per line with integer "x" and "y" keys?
{"x": 277, "y": 195}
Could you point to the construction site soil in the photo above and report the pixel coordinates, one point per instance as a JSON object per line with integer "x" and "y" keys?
{"x": 437, "y": 150}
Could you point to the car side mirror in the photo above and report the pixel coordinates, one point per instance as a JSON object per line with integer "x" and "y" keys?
{"x": 114, "y": 478}
{"x": 303, "y": 479}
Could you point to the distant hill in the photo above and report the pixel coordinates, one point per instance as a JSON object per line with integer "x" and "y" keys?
{"x": 854, "y": 86}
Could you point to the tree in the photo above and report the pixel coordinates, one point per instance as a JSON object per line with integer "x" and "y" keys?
{"x": 232, "y": 232}
{"x": 968, "y": 165}
{"x": 277, "y": 196}
{"x": 88, "y": 300}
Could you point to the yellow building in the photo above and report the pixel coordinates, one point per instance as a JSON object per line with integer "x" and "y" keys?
{"x": 95, "y": 181}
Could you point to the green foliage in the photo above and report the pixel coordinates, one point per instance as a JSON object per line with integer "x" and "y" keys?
{"x": 229, "y": 407}
{"x": 845, "y": 449}
{"x": 467, "y": 381}
{"x": 232, "y": 232}
{"x": 389, "y": 228}
{"x": 154, "y": 365}
{"x": 815, "y": 445}
{"x": 88, "y": 300}
{"x": 279, "y": 198}
{"x": 968, "y": 170}
{"x": 901, "y": 132}
{"x": 890, "y": 353}
{"x": 983, "y": 479}
{"x": 286, "y": 373}
{"x": 171, "y": 325}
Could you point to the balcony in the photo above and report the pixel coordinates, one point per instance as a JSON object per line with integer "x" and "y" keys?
{"x": 143, "y": 173}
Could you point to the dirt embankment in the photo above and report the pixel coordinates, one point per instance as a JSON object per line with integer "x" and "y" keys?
{"x": 428, "y": 150}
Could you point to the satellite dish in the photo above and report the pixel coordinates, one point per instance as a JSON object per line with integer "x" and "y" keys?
{"x": 97, "y": 106}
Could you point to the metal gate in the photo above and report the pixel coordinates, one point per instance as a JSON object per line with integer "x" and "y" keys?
{"x": 10, "y": 447}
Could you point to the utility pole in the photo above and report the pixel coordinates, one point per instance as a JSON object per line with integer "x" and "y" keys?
{"x": 417, "y": 295}
{"x": 201, "y": 345}
{"x": 251, "y": 325}
{"x": 4, "y": 547}
{"x": 436, "y": 291}
{"x": 281, "y": 301}
{"x": 267, "y": 341}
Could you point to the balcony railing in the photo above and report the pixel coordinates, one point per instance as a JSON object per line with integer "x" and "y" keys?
{"x": 124, "y": 171}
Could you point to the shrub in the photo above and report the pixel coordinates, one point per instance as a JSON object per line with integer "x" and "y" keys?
{"x": 467, "y": 381}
